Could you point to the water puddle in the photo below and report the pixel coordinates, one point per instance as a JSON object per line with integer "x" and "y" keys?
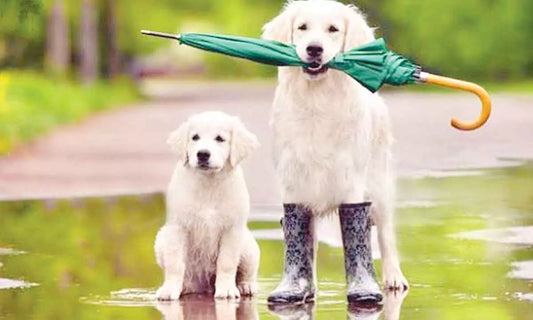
{"x": 14, "y": 284}
{"x": 465, "y": 243}
{"x": 135, "y": 297}
{"x": 513, "y": 235}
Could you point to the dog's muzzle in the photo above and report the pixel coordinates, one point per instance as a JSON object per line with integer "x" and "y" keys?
{"x": 314, "y": 60}
{"x": 315, "y": 68}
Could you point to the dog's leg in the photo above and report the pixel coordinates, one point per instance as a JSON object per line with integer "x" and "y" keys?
{"x": 169, "y": 249}
{"x": 298, "y": 280}
{"x": 381, "y": 190}
{"x": 249, "y": 265}
{"x": 392, "y": 275}
{"x": 227, "y": 263}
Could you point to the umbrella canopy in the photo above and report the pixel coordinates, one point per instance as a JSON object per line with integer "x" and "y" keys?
{"x": 372, "y": 64}
{"x": 257, "y": 50}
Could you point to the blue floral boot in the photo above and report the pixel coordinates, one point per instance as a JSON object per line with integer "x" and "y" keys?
{"x": 297, "y": 285}
{"x": 360, "y": 275}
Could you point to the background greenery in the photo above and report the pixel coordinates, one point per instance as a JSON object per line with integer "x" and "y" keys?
{"x": 480, "y": 40}
{"x": 476, "y": 39}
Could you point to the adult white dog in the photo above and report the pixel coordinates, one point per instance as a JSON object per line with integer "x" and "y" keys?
{"x": 332, "y": 137}
{"x": 205, "y": 245}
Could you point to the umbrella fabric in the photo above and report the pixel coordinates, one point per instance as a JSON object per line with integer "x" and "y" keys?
{"x": 372, "y": 64}
{"x": 258, "y": 50}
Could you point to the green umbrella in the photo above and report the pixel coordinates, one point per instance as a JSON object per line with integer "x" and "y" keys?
{"x": 372, "y": 64}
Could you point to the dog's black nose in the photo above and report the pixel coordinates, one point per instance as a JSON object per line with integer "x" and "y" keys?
{"x": 314, "y": 50}
{"x": 203, "y": 155}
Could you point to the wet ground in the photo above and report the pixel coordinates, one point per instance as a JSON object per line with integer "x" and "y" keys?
{"x": 465, "y": 240}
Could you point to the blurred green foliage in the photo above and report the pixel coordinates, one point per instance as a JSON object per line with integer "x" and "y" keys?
{"x": 31, "y": 104}
{"x": 476, "y": 39}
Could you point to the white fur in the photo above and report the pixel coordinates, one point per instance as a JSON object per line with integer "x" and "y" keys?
{"x": 205, "y": 245}
{"x": 332, "y": 137}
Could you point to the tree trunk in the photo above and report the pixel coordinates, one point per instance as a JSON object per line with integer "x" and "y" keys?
{"x": 88, "y": 42}
{"x": 57, "y": 41}
{"x": 111, "y": 36}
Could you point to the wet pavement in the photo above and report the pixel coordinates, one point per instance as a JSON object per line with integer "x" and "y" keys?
{"x": 464, "y": 241}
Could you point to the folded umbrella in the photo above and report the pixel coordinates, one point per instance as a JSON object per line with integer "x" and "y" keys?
{"x": 372, "y": 64}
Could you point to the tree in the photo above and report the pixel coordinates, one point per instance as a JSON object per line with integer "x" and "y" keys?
{"x": 57, "y": 41}
{"x": 111, "y": 38}
{"x": 88, "y": 46}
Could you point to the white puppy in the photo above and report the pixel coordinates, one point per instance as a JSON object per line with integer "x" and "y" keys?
{"x": 332, "y": 137}
{"x": 205, "y": 245}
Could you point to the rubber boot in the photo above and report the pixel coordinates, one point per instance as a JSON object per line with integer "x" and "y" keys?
{"x": 360, "y": 275}
{"x": 297, "y": 285}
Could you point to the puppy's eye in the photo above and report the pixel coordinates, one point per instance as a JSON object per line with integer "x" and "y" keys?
{"x": 333, "y": 29}
{"x": 220, "y": 139}
{"x": 302, "y": 27}
{"x": 195, "y": 137}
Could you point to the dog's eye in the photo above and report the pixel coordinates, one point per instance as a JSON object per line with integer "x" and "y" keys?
{"x": 302, "y": 27}
{"x": 333, "y": 29}
{"x": 195, "y": 137}
{"x": 219, "y": 139}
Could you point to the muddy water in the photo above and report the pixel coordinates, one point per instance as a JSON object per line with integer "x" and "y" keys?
{"x": 465, "y": 240}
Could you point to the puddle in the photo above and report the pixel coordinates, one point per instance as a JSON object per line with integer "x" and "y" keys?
{"x": 522, "y": 270}
{"x": 13, "y": 284}
{"x": 512, "y": 235}
{"x": 465, "y": 242}
{"x": 9, "y": 251}
{"x": 135, "y": 297}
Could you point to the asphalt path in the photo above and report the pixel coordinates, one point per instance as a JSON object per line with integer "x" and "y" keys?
{"x": 123, "y": 151}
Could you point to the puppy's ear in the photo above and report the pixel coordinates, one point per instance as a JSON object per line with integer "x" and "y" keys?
{"x": 177, "y": 140}
{"x": 357, "y": 30}
{"x": 280, "y": 28}
{"x": 243, "y": 142}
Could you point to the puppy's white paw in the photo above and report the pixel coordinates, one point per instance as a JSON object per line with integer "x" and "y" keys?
{"x": 393, "y": 279}
{"x": 247, "y": 288}
{"x": 227, "y": 292}
{"x": 168, "y": 292}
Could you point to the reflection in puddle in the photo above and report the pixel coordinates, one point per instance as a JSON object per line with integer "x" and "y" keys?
{"x": 13, "y": 284}
{"x": 9, "y": 251}
{"x": 135, "y": 297}
{"x": 521, "y": 270}
{"x": 512, "y": 235}
{"x": 523, "y": 296}
{"x": 205, "y": 307}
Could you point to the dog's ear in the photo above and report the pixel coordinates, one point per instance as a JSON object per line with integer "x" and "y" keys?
{"x": 178, "y": 139}
{"x": 280, "y": 28}
{"x": 242, "y": 143}
{"x": 357, "y": 30}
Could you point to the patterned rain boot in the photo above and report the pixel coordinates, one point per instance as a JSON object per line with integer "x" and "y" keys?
{"x": 297, "y": 285}
{"x": 360, "y": 275}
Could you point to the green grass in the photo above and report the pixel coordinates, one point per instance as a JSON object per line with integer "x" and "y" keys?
{"x": 32, "y": 104}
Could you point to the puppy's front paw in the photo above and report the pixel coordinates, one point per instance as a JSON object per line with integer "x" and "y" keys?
{"x": 393, "y": 279}
{"x": 227, "y": 292}
{"x": 247, "y": 288}
{"x": 168, "y": 292}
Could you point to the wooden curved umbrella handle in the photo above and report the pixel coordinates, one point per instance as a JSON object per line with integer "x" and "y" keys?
{"x": 467, "y": 86}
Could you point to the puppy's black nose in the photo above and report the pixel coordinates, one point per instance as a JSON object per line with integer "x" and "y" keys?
{"x": 314, "y": 50}
{"x": 203, "y": 155}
